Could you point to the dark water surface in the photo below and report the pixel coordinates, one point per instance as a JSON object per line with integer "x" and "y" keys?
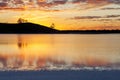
{"x": 60, "y": 75}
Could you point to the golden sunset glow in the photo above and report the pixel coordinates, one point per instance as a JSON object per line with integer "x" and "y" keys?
{"x": 68, "y": 43}
{"x": 75, "y": 16}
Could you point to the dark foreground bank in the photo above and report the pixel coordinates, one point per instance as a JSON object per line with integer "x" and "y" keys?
{"x": 25, "y": 28}
{"x": 60, "y": 75}
{"x": 30, "y": 28}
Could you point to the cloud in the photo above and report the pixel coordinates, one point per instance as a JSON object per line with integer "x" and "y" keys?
{"x": 95, "y": 17}
{"x": 51, "y": 3}
{"x": 114, "y": 1}
{"x": 118, "y": 19}
{"x": 110, "y": 8}
{"x": 86, "y": 17}
{"x": 3, "y": 4}
{"x": 111, "y": 16}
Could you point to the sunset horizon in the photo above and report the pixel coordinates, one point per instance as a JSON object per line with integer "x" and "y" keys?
{"x": 65, "y": 14}
{"x": 59, "y": 39}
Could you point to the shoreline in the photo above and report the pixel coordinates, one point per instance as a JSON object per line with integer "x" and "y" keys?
{"x": 31, "y": 28}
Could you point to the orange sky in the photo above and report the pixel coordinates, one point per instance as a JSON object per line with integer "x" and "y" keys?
{"x": 69, "y": 16}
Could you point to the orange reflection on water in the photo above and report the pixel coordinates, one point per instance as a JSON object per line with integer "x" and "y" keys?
{"x": 42, "y": 51}
{"x": 39, "y": 55}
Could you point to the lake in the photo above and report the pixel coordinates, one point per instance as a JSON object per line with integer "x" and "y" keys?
{"x": 60, "y": 75}
{"x": 59, "y": 51}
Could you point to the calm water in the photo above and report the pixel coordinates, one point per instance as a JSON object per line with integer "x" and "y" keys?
{"x": 60, "y": 75}
{"x": 59, "y": 51}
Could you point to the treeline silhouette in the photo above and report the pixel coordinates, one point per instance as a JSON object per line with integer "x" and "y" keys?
{"x": 90, "y": 31}
{"x": 30, "y": 28}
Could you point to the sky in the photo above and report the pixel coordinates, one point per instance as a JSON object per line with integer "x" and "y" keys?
{"x": 65, "y": 14}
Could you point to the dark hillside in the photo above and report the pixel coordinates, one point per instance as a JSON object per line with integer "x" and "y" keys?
{"x": 25, "y": 28}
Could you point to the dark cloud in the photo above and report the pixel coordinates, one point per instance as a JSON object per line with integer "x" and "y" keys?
{"x": 86, "y": 17}
{"x": 114, "y": 1}
{"x": 3, "y": 4}
{"x": 45, "y": 3}
{"x": 96, "y": 17}
{"x": 111, "y": 16}
{"x": 105, "y": 20}
{"x": 19, "y": 2}
{"x": 110, "y": 8}
{"x": 118, "y": 19}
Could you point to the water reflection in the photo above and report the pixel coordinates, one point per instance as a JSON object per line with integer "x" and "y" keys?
{"x": 59, "y": 51}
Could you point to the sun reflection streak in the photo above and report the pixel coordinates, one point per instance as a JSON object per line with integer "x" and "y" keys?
{"x": 42, "y": 55}
{"x": 58, "y": 52}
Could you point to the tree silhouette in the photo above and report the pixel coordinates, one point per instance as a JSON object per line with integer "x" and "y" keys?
{"x": 52, "y": 26}
{"x": 20, "y": 20}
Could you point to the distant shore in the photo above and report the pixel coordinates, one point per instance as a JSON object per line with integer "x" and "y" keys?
{"x": 90, "y": 32}
{"x": 30, "y": 28}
